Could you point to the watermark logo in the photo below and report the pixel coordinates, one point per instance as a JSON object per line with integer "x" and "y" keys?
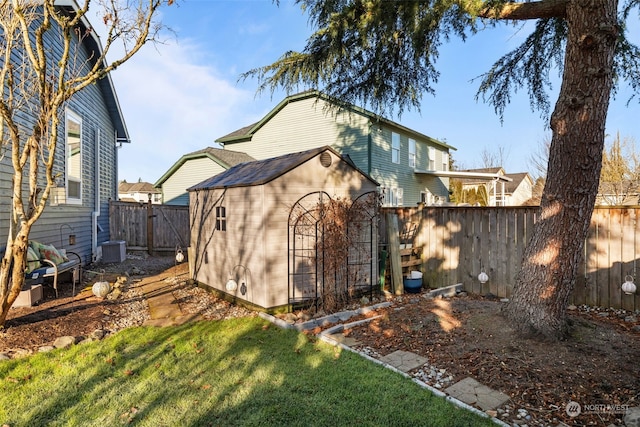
{"x": 573, "y": 409}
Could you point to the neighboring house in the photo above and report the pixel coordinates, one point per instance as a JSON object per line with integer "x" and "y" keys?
{"x": 618, "y": 194}
{"x": 502, "y": 189}
{"x": 92, "y": 126}
{"x": 138, "y": 192}
{"x": 519, "y": 190}
{"x": 256, "y": 229}
{"x": 411, "y": 167}
{"x": 193, "y": 168}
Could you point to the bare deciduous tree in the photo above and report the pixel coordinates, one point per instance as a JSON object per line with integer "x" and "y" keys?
{"x": 494, "y": 158}
{"x": 41, "y": 70}
{"x": 620, "y": 171}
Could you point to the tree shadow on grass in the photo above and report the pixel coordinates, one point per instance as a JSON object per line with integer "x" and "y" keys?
{"x": 238, "y": 372}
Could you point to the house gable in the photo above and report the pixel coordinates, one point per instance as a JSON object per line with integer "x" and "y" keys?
{"x": 193, "y": 168}
{"x": 311, "y": 119}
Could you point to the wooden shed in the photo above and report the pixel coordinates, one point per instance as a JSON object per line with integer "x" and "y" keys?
{"x": 286, "y": 231}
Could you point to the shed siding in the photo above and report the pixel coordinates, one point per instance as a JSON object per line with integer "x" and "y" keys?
{"x": 193, "y": 171}
{"x": 255, "y": 245}
{"x": 218, "y": 253}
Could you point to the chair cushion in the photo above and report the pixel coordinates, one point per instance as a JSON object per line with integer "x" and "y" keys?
{"x": 33, "y": 260}
{"x": 49, "y": 252}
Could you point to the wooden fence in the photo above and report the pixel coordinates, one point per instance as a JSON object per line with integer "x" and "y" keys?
{"x": 460, "y": 242}
{"x": 149, "y": 227}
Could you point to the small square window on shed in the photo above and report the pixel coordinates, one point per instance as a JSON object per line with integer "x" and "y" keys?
{"x": 221, "y": 218}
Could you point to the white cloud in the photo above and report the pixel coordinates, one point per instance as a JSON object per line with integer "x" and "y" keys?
{"x": 172, "y": 106}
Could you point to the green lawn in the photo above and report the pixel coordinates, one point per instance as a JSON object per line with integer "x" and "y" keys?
{"x": 243, "y": 372}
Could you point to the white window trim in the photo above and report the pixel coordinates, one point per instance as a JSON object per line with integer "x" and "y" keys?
{"x": 412, "y": 153}
{"x": 445, "y": 161}
{"x": 395, "y": 150}
{"x": 70, "y": 115}
{"x": 392, "y": 196}
{"x": 432, "y": 158}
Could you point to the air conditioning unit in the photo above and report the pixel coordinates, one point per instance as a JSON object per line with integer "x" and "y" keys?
{"x": 114, "y": 251}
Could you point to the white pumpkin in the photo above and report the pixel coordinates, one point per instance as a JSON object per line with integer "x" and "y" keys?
{"x": 101, "y": 289}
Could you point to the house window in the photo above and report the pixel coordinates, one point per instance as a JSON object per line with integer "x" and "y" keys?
{"x": 398, "y": 197}
{"x": 73, "y": 165}
{"x": 395, "y": 147}
{"x": 391, "y": 196}
{"x": 426, "y": 197}
{"x": 445, "y": 161}
{"x": 432, "y": 158}
{"x": 412, "y": 153}
{"x": 221, "y": 218}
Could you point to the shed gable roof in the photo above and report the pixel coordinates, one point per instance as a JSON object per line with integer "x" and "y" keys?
{"x": 246, "y": 133}
{"x": 225, "y": 158}
{"x": 263, "y": 171}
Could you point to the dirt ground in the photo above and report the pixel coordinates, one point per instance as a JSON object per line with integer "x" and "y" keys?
{"x": 28, "y": 328}
{"x": 461, "y": 337}
{"x": 469, "y": 337}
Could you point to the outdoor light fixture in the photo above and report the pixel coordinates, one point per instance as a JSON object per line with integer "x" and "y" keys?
{"x": 231, "y": 285}
{"x": 179, "y": 255}
{"x": 483, "y": 277}
{"x": 628, "y": 287}
{"x": 72, "y": 236}
{"x": 237, "y": 274}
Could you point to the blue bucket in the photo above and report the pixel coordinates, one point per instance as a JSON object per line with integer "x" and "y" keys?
{"x": 412, "y": 286}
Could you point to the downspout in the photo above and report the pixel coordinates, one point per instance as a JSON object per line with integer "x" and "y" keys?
{"x": 96, "y": 199}
{"x": 369, "y": 146}
{"x": 369, "y": 153}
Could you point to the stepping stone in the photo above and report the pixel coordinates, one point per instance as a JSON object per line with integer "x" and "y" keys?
{"x": 404, "y": 360}
{"x": 472, "y": 392}
{"x": 348, "y": 341}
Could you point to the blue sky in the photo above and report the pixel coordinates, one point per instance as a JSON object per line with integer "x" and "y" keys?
{"x": 181, "y": 95}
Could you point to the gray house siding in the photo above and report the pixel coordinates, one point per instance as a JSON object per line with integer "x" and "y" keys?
{"x": 98, "y": 166}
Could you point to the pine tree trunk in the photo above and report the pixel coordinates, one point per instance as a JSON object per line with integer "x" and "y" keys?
{"x": 546, "y": 279}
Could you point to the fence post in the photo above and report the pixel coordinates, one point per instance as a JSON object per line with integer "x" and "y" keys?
{"x": 150, "y": 226}
{"x": 393, "y": 236}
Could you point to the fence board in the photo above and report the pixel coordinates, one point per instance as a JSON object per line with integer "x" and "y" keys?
{"x": 477, "y": 251}
{"x": 616, "y": 235}
{"x": 128, "y": 222}
{"x": 628, "y": 254}
{"x": 460, "y": 241}
{"x": 602, "y": 250}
